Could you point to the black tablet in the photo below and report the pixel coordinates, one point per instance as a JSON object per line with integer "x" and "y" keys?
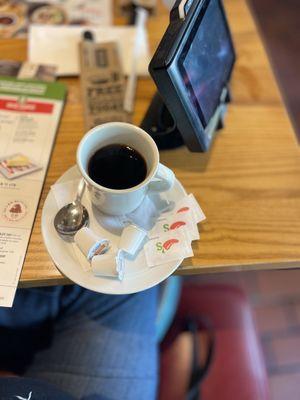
{"x": 192, "y": 67}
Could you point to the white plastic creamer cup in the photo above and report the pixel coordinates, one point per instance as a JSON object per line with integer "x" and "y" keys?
{"x": 104, "y": 265}
{"x": 132, "y": 239}
{"x": 89, "y": 243}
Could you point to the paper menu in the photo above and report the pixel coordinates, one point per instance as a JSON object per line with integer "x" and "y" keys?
{"x": 29, "y": 115}
{"x": 20, "y": 14}
{"x": 58, "y": 45}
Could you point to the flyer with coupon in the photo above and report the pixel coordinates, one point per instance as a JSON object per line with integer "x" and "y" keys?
{"x": 29, "y": 116}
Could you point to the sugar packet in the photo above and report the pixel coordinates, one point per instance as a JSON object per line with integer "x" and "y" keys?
{"x": 169, "y": 246}
{"x": 189, "y": 204}
{"x": 176, "y": 221}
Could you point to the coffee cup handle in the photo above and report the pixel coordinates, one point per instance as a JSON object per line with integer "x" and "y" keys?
{"x": 162, "y": 181}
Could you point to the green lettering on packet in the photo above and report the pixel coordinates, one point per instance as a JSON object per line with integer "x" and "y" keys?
{"x": 166, "y": 227}
{"x": 159, "y": 247}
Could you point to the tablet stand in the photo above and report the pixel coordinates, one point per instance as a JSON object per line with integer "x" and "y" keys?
{"x": 161, "y": 126}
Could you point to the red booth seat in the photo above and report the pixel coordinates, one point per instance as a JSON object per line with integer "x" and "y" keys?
{"x": 237, "y": 370}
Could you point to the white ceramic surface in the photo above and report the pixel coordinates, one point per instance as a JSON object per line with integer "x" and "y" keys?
{"x": 73, "y": 265}
{"x": 119, "y": 202}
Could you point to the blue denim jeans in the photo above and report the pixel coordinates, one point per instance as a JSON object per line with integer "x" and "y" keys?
{"x": 90, "y": 345}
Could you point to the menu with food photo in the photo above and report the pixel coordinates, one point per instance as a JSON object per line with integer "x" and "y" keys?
{"x": 29, "y": 116}
{"x": 17, "y": 15}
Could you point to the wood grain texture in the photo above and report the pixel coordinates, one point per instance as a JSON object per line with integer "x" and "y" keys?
{"x": 248, "y": 184}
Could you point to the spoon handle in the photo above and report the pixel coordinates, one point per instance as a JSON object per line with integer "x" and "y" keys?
{"x": 80, "y": 191}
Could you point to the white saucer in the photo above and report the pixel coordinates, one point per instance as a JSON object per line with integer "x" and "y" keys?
{"x": 71, "y": 263}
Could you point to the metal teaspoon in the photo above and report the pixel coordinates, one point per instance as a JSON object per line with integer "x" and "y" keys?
{"x": 72, "y": 217}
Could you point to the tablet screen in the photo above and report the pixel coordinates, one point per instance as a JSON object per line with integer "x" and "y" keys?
{"x": 207, "y": 60}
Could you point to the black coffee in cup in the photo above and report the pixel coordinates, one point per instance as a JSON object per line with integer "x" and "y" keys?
{"x": 117, "y": 166}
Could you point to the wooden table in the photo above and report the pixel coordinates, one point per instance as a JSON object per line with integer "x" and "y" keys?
{"x": 248, "y": 184}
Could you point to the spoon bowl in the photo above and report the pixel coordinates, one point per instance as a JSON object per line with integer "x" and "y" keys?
{"x": 72, "y": 217}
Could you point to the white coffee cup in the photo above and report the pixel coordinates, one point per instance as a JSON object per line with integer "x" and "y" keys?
{"x": 113, "y": 201}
